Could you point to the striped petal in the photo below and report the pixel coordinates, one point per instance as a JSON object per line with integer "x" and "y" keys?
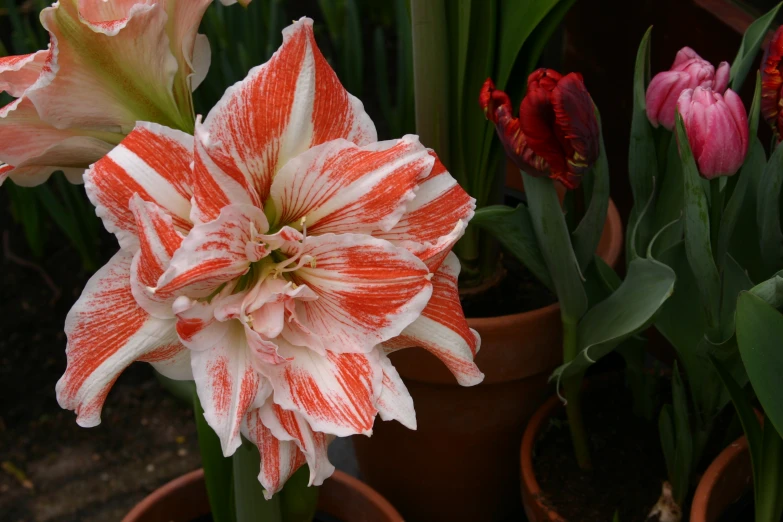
{"x": 436, "y": 218}
{"x": 213, "y": 253}
{"x": 158, "y": 240}
{"x": 279, "y": 458}
{"x": 106, "y": 332}
{"x": 442, "y": 329}
{"x": 394, "y": 402}
{"x": 37, "y": 149}
{"x": 282, "y": 108}
{"x": 340, "y": 187}
{"x": 368, "y": 290}
{"x": 18, "y": 73}
{"x": 152, "y": 161}
{"x": 5, "y": 172}
{"x": 226, "y": 384}
{"x": 112, "y": 62}
{"x": 290, "y": 425}
{"x": 335, "y": 393}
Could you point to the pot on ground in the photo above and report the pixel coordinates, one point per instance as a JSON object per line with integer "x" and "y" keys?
{"x": 184, "y": 499}
{"x": 729, "y": 477}
{"x": 460, "y": 464}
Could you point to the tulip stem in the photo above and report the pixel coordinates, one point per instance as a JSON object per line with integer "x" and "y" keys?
{"x": 716, "y": 215}
{"x": 572, "y": 387}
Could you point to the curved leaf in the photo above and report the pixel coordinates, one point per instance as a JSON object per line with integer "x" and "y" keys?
{"x": 768, "y": 212}
{"x": 751, "y": 42}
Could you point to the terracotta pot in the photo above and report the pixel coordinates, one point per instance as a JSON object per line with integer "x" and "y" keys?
{"x": 460, "y": 463}
{"x": 184, "y": 499}
{"x": 729, "y": 476}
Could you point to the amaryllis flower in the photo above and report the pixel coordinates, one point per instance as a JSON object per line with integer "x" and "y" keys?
{"x": 717, "y": 128}
{"x": 556, "y": 134}
{"x": 309, "y": 253}
{"x": 688, "y": 71}
{"x": 108, "y": 65}
{"x": 772, "y": 83}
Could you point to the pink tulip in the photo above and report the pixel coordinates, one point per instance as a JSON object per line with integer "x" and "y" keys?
{"x": 688, "y": 71}
{"x": 717, "y": 128}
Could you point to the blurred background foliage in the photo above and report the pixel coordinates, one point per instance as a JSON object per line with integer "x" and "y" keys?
{"x": 368, "y": 43}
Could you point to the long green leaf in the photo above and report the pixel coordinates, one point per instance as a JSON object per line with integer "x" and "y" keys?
{"x": 588, "y": 233}
{"x": 668, "y": 439}
{"x": 642, "y": 157}
{"x": 768, "y": 212}
{"x": 769, "y": 501}
{"x": 751, "y": 42}
{"x": 514, "y": 229}
{"x": 628, "y": 310}
{"x": 683, "y": 456}
{"x": 697, "y": 230}
{"x": 555, "y": 243}
{"x": 759, "y": 334}
{"x": 771, "y": 290}
{"x": 669, "y": 202}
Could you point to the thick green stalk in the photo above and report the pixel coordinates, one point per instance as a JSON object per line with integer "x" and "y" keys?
{"x": 217, "y": 468}
{"x": 430, "y": 74}
{"x": 249, "y": 502}
{"x": 572, "y": 388}
{"x": 716, "y": 215}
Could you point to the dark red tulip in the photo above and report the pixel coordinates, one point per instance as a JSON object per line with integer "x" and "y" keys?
{"x": 772, "y": 82}
{"x": 557, "y": 130}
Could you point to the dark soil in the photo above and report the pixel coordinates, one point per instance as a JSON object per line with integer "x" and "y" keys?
{"x": 319, "y": 517}
{"x": 627, "y": 460}
{"x": 740, "y": 511}
{"x": 517, "y": 291}
{"x": 50, "y": 468}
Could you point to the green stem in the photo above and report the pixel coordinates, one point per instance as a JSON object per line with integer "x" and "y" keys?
{"x": 217, "y": 469}
{"x": 249, "y": 502}
{"x": 430, "y": 74}
{"x": 716, "y": 215}
{"x": 572, "y": 388}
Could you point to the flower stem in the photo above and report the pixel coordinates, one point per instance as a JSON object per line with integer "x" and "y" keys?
{"x": 249, "y": 502}
{"x": 716, "y": 215}
{"x": 572, "y": 388}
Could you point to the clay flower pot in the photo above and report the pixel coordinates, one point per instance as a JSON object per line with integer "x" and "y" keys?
{"x": 184, "y": 499}
{"x": 460, "y": 463}
{"x": 729, "y": 476}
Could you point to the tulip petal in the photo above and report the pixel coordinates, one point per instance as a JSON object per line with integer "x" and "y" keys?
{"x": 18, "y": 73}
{"x": 368, "y": 290}
{"x": 335, "y": 393}
{"x": 290, "y": 425}
{"x": 339, "y": 187}
{"x": 213, "y": 253}
{"x": 158, "y": 240}
{"x": 282, "y": 108}
{"x": 394, "y": 402}
{"x": 112, "y": 62}
{"x": 279, "y": 458}
{"x": 152, "y": 161}
{"x": 106, "y": 332}
{"x": 442, "y": 329}
{"x": 26, "y": 141}
{"x": 435, "y": 219}
{"x": 226, "y": 384}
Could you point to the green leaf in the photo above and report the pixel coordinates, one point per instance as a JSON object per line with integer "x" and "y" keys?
{"x": 642, "y": 156}
{"x": 627, "y": 311}
{"x": 666, "y": 434}
{"x": 683, "y": 456}
{"x": 249, "y": 501}
{"x": 749, "y": 47}
{"x": 735, "y": 280}
{"x": 745, "y": 245}
{"x": 554, "y": 242}
{"x": 514, "y": 229}
{"x": 669, "y": 202}
{"x": 771, "y": 290}
{"x": 298, "y": 501}
{"x": 759, "y": 334}
{"x": 517, "y": 21}
{"x": 747, "y": 417}
{"x": 353, "y": 50}
{"x": 588, "y": 233}
{"x": 697, "y": 230}
{"x": 218, "y": 470}
{"x": 768, "y": 212}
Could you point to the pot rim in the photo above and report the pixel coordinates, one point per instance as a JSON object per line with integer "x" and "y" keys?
{"x": 708, "y": 482}
{"x": 611, "y": 255}
{"x": 531, "y": 490}
{"x": 197, "y": 475}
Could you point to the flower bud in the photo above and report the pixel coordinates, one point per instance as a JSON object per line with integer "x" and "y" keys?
{"x": 717, "y": 129}
{"x": 688, "y": 71}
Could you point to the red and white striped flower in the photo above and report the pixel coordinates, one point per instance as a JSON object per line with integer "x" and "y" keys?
{"x": 108, "y": 65}
{"x": 290, "y": 260}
